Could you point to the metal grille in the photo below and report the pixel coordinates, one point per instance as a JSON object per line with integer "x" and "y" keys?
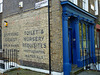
{"x": 9, "y": 58}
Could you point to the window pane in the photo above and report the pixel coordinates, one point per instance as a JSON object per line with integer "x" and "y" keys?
{"x": 84, "y": 39}
{"x": 96, "y": 7}
{"x": 74, "y": 1}
{"x": 92, "y": 6}
{"x": 85, "y": 5}
{"x": 88, "y": 39}
{"x": 1, "y": 1}
{"x": 84, "y": 36}
{"x": 80, "y": 32}
{"x": 1, "y": 5}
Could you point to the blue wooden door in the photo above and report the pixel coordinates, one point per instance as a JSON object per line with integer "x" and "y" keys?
{"x": 70, "y": 45}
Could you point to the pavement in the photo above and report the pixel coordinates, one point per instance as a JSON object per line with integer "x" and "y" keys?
{"x": 89, "y": 73}
{"x": 22, "y": 72}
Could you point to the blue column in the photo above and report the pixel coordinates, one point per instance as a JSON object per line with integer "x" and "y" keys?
{"x": 93, "y": 44}
{"x": 90, "y": 36}
{"x": 77, "y": 41}
{"x": 66, "y": 63}
{"x": 72, "y": 23}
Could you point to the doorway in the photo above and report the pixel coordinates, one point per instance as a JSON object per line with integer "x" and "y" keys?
{"x": 70, "y": 40}
{"x": 70, "y": 45}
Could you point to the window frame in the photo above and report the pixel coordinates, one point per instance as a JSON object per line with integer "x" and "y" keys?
{"x": 96, "y": 7}
{"x": 85, "y": 4}
{"x": 74, "y": 1}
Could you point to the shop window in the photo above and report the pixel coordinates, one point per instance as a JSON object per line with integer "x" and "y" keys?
{"x": 1, "y": 6}
{"x": 84, "y": 39}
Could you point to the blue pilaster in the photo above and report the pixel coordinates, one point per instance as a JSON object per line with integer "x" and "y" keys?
{"x": 93, "y": 44}
{"x": 76, "y": 23}
{"x": 66, "y": 60}
{"x": 90, "y": 37}
{"x": 73, "y": 22}
{"x": 76, "y": 41}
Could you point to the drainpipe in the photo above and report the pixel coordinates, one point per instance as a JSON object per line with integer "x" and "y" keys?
{"x": 49, "y": 37}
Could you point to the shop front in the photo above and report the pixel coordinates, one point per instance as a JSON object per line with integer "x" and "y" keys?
{"x": 78, "y": 37}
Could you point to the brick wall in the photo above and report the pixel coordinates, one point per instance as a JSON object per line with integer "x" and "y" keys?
{"x": 11, "y": 7}
{"x": 28, "y": 33}
{"x": 56, "y": 36}
{"x": 22, "y": 24}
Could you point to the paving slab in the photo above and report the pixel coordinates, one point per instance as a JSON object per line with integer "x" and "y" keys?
{"x": 89, "y": 73}
{"x": 22, "y": 72}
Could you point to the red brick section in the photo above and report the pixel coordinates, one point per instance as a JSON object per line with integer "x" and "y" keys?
{"x": 97, "y": 26}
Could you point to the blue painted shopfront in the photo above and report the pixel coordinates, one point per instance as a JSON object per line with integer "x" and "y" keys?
{"x": 78, "y": 36}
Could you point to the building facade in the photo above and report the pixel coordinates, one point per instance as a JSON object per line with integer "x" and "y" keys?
{"x": 71, "y": 32}
{"x": 97, "y": 34}
{"x": 1, "y": 4}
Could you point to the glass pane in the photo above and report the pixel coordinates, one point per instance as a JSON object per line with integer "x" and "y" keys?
{"x": 80, "y": 32}
{"x": 1, "y": 1}
{"x": 84, "y": 36}
{"x": 88, "y": 40}
{"x": 1, "y": 7}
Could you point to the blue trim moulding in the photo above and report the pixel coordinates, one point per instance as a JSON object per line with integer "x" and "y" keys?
{"x": 76, "y": 14}
{"x": 72, "y": 10}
